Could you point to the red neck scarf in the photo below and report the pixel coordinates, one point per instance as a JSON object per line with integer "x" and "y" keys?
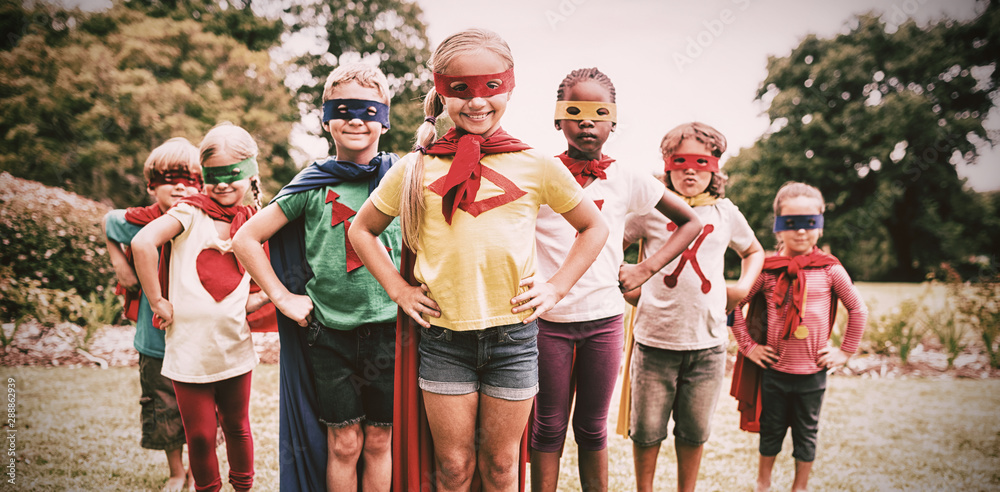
{"x": 143, "y": 215}
{"x": 463, "y": 179}
{"x": 236, "y": 215}
{"x": 585, "y": 169}
{"x": 788, "y": 268}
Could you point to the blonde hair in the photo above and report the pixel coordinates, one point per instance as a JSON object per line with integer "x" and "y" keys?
{"x": 176, "y": 154}
{"x": 363, "y": 74}
{"x": 234, "y": 141}
{"x": 460, "y": 43}
{"x": 705, "y": 134}
{"x": 795, "y": 189}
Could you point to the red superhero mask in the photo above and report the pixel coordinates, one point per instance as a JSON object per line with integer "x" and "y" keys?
{"x": 698, "y": 162}
{"x": 175, "y": 176}
{"x": 471, "y": 86}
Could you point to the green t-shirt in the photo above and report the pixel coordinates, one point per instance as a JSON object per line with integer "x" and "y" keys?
{"x": 341, "y": 300}
{"x": 148, "y": 341}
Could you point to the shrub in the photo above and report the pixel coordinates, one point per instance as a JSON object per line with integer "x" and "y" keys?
{"x": 898, "y": 331}
{"x": 50, "y": 240}
{"x": 978, "y": 306}
{"x": 949, "y": 331}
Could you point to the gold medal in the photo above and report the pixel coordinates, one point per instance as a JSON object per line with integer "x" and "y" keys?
{"x": 801, "y": 332}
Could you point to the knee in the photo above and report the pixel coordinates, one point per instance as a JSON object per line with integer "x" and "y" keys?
{"x": 498, "y": 468}
{"x": 455, "y": 469}
{"x": 345, "y": 444}
{"x": 378, "y": 440}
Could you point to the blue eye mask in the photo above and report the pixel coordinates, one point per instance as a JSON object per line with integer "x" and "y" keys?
{"x": 796, "y": 222}
{"x": 362, "y": 109}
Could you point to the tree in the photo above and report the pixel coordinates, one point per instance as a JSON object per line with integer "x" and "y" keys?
{"x": 387, "y": 32}
{"x": 84, "y": 96}
{"x": 877, "y": 120}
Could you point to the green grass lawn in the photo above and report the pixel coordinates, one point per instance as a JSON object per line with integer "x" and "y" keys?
{"x": 78, "y": 429}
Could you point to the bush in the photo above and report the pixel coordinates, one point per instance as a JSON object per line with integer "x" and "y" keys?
{"x": 897, "y": 332}
{"x": 50, "y": 240}
{"x": 978, "y": 308}
{"x": 951, "y": 333}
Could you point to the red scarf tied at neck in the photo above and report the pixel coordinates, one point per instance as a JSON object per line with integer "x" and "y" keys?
{"x": 787, "y": 268}
{"x": 463, "y": 178}
{"x": 584, "y": 169}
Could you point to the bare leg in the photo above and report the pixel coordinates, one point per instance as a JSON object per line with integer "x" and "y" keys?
{"x": 501, "y": 425}
{"x": 344, "y": 446}
{"x": 594, "y": 470}
{"x": 802, "y": 469}
{"x": 544, "y": 471}
{"x": 688, "y": 463}
{"x": 764, "y": 473}
{"x": 178, "y": 475}
{"x": 452, "y": 420}
{"x": 644, "y": 458}
{"x": 378, "y": 459}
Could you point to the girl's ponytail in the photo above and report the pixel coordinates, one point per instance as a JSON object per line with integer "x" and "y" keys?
{"x": 412, "y": 202}
{"x": 255, "y": 187}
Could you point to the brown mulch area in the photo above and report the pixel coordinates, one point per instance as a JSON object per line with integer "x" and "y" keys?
{"x": 36, "y": 345}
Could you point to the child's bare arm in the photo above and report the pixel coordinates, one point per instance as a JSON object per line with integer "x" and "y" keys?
{"x": 144, "y": 246}
{"x": 750, "y": 266}
{"x": 670, "y": 205}
{"x": 123, "y": 270}
{"x": 593, "y": 233}
{"x": 367, "y": 225}
{"x": 247, "y": 244}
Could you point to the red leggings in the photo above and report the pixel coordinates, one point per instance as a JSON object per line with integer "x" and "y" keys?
{"x": 198, "y": 404}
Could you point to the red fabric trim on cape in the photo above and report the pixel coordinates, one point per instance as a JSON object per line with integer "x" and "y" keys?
{"x": 585, "y": 169}
{"x": 412, "y": 445}
{"x": 787, "y": 270}
{"x": 461, "y": 184}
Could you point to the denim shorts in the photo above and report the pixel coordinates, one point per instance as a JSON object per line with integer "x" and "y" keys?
{"x": 685, "y": 382}
{"x": 501, "y": 361}
{"x": 353, "y": 373}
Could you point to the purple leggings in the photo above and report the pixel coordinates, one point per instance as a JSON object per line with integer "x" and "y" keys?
{"x": 598, "y": 348}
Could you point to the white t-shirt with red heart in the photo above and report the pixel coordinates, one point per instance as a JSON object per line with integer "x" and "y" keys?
{"x": 209, "y": 339}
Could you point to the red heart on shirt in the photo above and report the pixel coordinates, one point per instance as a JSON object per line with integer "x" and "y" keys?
{"x": 219, "y": 273}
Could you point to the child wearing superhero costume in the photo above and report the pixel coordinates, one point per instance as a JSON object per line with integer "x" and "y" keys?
{"x": 338, "y": 324}
{"x": 468, "y": 203}
{"x": 580, "y": 339}
{"x": 172, "y": 172}
{"x": 798, "y": 285}
{"x": 209, "y": 353}
{"x": 678, "y": 359}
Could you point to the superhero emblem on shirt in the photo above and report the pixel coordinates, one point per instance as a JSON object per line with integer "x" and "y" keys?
{"x": 510, "y": 192}
{"x": 341, "y": 213}
{"x": 690, "y": 254}
{"x": 218, "y": 272}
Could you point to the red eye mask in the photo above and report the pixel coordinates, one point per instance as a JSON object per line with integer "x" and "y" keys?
{"x": 471, "y": 86}
{"x": 698, "y": 162}
{"x": 173, "y": 177}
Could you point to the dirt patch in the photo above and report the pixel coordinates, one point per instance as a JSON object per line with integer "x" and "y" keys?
{"x": 110, "y": 346}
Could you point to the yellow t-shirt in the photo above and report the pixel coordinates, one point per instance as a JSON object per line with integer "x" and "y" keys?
{"x": 474, "y": 266}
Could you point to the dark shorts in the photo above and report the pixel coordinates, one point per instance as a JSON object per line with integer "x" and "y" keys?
{"x": 161, "y": 420}
{"x": 500, "y": 361}
{"x": 353, "y": 373}
{"x": 791, "y": 400}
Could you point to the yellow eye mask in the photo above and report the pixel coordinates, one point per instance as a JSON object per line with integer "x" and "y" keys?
{"x": 586, "y": 110}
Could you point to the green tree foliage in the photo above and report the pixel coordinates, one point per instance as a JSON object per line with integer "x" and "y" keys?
{"x": 84, "y": 96}
{"x": 877, "y": 119}
{"x": 390, "y": 32}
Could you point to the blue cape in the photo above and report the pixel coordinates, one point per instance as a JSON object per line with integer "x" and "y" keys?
{"x": 302, "y": 452}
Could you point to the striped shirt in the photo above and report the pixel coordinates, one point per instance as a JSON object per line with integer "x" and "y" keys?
{"x": 799, "y": 356}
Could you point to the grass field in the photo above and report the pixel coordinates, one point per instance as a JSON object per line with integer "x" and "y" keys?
{"x": 78, "y": 429}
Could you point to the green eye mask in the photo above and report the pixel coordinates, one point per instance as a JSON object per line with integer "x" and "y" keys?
{"x": 231, "y": 173}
